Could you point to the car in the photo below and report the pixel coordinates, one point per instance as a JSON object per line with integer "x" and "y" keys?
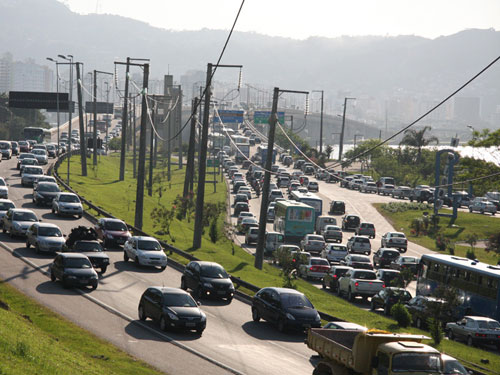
{"x": 475, "y": 330}
{"x": 276, "y": 193}
{"x": 112, "y": 232}
{"x": 6, "y": 149}
{"x": 322, "y": 221}
{"x": 315, "y": 268}
{"x": 45, "y": 192}
{"x": 240, "y": 207}
{"x": 240, "y": 198}
{"x": 422, "y": 307}
{"x": 482, "y": 206}
{"x": 332, "y": 233}
{"x": 388, "y": 297}
{"x": 451, "y": 366}
{"x": 173, "y": 308}
{"x": 52, "y": 150}
{"x": 25, "y": 162}
{"x": 40, "y": 155}
{"x": 385, "y": 189}
{"x": 359, "y": 245}
{"x": 383, "y": 257}
{"x": 17, "y": 221}
{"x": 287, "y": 308}
{"x": 358, "y": 261}
{"x": 388, "y": 276}
{"x": 283, "y": 181}
{"x": 331, "y": 278}
{"x": 257, "y": 140}
{"x": 334, "y": 253}
{"x": 44, "y": 178}
{"x": 5, "y": 205}
{"x": 247, "y": 223}
{"x": 24, "y": 155}
{"x": 4, "y": 189}
{"x": 345, "y": 326}
{"x": 244, "y": 215}
{"x": 287, "y": 248}
{"x": 237, "y": 185}
{"x": 396, "y": 240}
{"x": 302, "y": 190}
{"x": 94, "y": 251}
{"x": 270, "y": 214}
{"x": 401, "y": 192}
{"x": 44, "y": 237}
{"x": 252, "y": 235}
{"x": 350, "y": 222}
{"x": 245, "y": 190}
{"x": 404, "y": 262}
{"x": 313, "y": 243}
{"x": 421, "y": 193}
{"x": 365, "y": 229}
{"x": 294, "y": 185}
{"x": 337, "y": 208}
{"x": 313, "y": 186}
{"x": 359, "y": 282}
{"x": 144, "y": 251}
{"x": 355, "y": 184}
{"x": 369, "y": 187}
{"x": 15, "y": 147}
{"x": 309, "y": 170}
{"x": 67, "y": 204}
{"x": 298, "y": 164}
{"x": 24, "y": 146}
{"x": 73, "y": 269}
{"x": 207, "y": 279}
{"x": 29, "y": 174}
{"x": 492, "y": 196}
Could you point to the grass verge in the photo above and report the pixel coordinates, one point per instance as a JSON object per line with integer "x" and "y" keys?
{"x": 104, "y": 189}
{"x": 34, "y": 340}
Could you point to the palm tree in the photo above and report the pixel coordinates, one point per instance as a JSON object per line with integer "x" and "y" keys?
{"x": 417, "y": 139}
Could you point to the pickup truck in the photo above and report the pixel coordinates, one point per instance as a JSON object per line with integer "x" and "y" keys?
{"x": 359, "y": 282}
{"x": 345, "y": 352}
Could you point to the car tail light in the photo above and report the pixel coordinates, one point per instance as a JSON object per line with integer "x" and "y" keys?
{"x": 334, "y": 276}
{"x": 356, "y": 284}
{"x": 480, "y": 335}
{"x": 312, "y": 268}
{"x": 383, "y": 285}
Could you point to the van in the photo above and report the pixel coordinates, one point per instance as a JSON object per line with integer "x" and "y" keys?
{"x": 276, "y": 193}
{"x": 324, "y": 220}
{"x": 272, "y": 242}
{"x": 337, "y": 208}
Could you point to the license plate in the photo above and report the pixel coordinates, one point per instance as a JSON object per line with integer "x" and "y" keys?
{"x": 190, "y": 324}
{"x": 121, "y": 240}
{"x": 221, "y": 292}
{"x": 84, "y": 281}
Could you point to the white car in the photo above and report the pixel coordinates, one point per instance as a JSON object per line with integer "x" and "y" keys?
{"x": 40, "y": 155}
{"x": 30, "y": 174}
{"x": 245, "y": 190}
{"x": 67, "y": 204}
{"x": 4, "y": 189}
{"x": 5, "y": 205}
{"x": 244, "y": 215}
{"x": 315, "y": 268}
{"x": 482, "y": 206}
{"x": 395, "y": 240}
{"x": 144, "y": 251}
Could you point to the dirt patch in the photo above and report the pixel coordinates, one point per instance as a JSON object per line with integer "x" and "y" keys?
{"x": 4, "y": 305}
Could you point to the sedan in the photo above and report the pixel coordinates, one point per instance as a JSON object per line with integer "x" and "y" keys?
{"x": 244, "y": 215}
{"x": 207, "y": 279}
{"x": 358, "y": 261}
{"x": 388, "y": 297}
{"x": 144, "y": 251}
{"x": 240, "y": 198}
{"x": 312, "y": 243}
{"x": 21, "y": 164}
{"x": 4, "y": 189}
{"x": 395, "y": 240}
{"x": 5, "y": 205}
{"x": 44, "y": 237}
{"x": 173, "y": 308}
{"x": 94, "y": 251}
{"x": 404, "y": 262}
{"x": 240, "y": 207}
{"x": 315, "y": 268}
{"x": 112, "y": 231}
{"x": 332, "y": 232}
{"x": 67, "y": 204}
{"x": 73, "y": 269}
{"x": 247, "y": 223}
{"x": 17, "y": 221}
{"x": 30, "y": 174}
{"x": 331, "y": 279}
{"x": 40, "y": 156}
{"x": 45, "y": 192}
{"x": 475, "y": 330}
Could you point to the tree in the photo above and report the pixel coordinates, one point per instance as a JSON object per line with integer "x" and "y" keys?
{"x": 115, "y": 144}
{"x": 485, "y": 138}
{"x": 417, "y": 139}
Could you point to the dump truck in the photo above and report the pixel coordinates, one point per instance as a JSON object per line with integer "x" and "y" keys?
{"x": 346, "y": 352}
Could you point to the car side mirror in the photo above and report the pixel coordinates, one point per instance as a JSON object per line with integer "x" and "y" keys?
{"x": 64, "y": 235}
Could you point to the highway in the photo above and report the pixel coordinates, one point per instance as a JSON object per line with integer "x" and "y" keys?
{"x": 232, "y": 342}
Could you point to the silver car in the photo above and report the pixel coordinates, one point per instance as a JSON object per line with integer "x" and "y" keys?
{"x": 17, "y": 221}
{"x": 144, "y": 251}
{"x": 482, "y": 205}
{"x": 45, "y": 237}
{"x": 67, "y": 204}
{"x": 30, "y": 174}
{"x": 4, "y": 189}
{"x": 313, "y": 243}
{"x": 5, "y": 205}
{"x": 40, "y": 156}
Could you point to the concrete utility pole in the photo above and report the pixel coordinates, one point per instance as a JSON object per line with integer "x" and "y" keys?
{"x": 70, "y": 107}
{"x": 178, "y": 118}
{"x": 188, "y": 181}
{"x": 273, "y": 119}
{"x": 134, "y": 137}
{"x": 151, "y": 149}
{"x": 124, "y": 123}
{"x": 321, "y": 125}
{"x": 139, "y": 198}
{"x": 341, "y": 145}
{"x": 83, "y": 149}
{"x": 94, "y": 130}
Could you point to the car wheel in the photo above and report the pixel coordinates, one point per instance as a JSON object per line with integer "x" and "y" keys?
{"x": 255, "y": 315}
{"x": 4, "y": 230}
{"x": 94, "y": 286}
{"x": 482, "y": 212}
{"x": 372, "y": 306}
{"x": 281, "y": 326}
{"x": 37, "y": 249}
{"x": 418, "y": 323}
{"x": 53, "y": 211}
{"x": 163, "y": 324}
{"x": 11, "y": 235}
{"x": 142, "y": 314}
{"x": 450, "y": 335}
{"x": 387, "y": 310}
{"x": 469, "y": 341}
{"x": 28, "y": 244}
{"x": 103, "y": 269}
{"x": 350, "y": 296}
{"x": 136, "y": 262}
{"x": 323, "y": 285}
{"x": 80, "y": 216}
{"x": 125, "y": 256}
{"x": 163, "y": 268}
{"x": 183, "y": 284}
{"x": 52, "y": 276}
{"x": 470, "y": 210}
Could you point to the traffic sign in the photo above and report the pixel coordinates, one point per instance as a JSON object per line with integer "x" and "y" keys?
{"x": 262, "y": 117}
{"x": 38, "y": 100}
{"x": 229, "y": 116}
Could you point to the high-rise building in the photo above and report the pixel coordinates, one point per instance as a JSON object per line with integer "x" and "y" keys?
{"x": 24, "y": 75}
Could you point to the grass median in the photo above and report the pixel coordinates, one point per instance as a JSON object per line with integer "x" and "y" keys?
{"x": 102, "y": 187}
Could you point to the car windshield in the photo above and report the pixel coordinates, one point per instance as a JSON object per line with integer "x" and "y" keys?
{"x": 390, "y": 254}
{"x": 360, "y": 259}
{"x": 149, "y": 245}
{"x": 77, "y": 263}
{"x": 409, "y": 260}
{"x": 49, "y": 232}
{"x": 315, "y": 238}
{"x": 319, "y": 262}
{"x": 87, "y": 246}
{"x": 24, "y": 216}
{"x": 48, "y": 187}
{"x": 115, "y": 225}
{"x": 337, "y": 248}
{"x": 295, "y": 300}
{"x": 69, "y": 198}
{"x": 364, "y": 275}
{"x": 416, "y": 362}
{"x": 214, "y": 272}
{"x": 4, "y": 206}
{"x": 398, "y": 235}
{"x": 29, "y": 161}
{"x": 38, "y": 152}
{"x": 488, "y": 324}
{"x": 179, "y": 300}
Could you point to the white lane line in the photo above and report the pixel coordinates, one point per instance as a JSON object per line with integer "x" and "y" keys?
{"x": 130, "y": 319}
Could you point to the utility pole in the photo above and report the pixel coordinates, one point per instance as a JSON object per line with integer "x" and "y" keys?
{"x": 341, "y": 145}
{"x": 321, "y": 125}
{"x": 94, "y": 131}
{"x": 178, "y": 117}
{"x": 151, "y": 150}
{"x": 124, "y": 126}
{"x": 134, "y": 137}
{"x": 70, "y": 108}
{"x": 83, "y": 149}
{"x": 139, "y": 198}
{"x": 108, "y": 88}
{"x": 273, "y": 119}
{"x": 188, "y": 181}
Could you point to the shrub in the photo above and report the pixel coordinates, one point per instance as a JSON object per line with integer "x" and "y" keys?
{"x": 401, "y": 314}
{"x": 435, "y": 330}
{"x": 470, "y": 254}
{"x": 213, "y": 231}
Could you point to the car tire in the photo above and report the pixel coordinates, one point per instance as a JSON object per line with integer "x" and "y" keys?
{"x": 450, "y": 335}
{"x": 469, "y": 341}
{"x": 281, "y": 325}
{"x": 350, "y": 296}
{"x": 28, "y": 244}
{"x": 80, "y": 216}
{"x": 255, "y": 315}
{"x": 53, "y": 211}
{"x": 200, "y": 331}
{"x": 4, "y": 230}
{"x": 125, "y": 256}
{"x": 141, "y": 313}
{"x": 163, "y": 324}
{"x": 136, "y": 262}
{"x": 94, "y": 286}
{"x": 198, "y": 293}
{"x": 470, "y": 210}
{"x": 372, "y": 306}
{"x": 103, "y": 269}
{"x": 52, "y": 276}
{"x": 323, "y": 285}
{"x": 11, "y": 235}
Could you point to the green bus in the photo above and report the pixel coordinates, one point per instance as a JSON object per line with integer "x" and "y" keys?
{"x": 293, "y": 219}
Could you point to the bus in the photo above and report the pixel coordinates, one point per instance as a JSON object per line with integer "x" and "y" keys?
{"x": 293, "y": 219}
{"x": 217, "y": 140}
{"x": 262, "y": 151}
{"x": 311, "y": 200}
{"x": 37, "y": 134}
{"x": 477, "y": 283}
{"x": 241, "y": 152}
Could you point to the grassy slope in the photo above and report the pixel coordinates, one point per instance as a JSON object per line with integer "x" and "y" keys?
{"x": 117, "y": 197}
{"x": 34, "y": 340}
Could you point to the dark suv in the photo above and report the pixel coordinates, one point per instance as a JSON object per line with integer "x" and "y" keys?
{"x": 350, "y": 222}
{"x": 207, "y": 279}
{"x": 384, "y": 257}
{"x": 331, "y": 279}
{"x": 93, "y": 250}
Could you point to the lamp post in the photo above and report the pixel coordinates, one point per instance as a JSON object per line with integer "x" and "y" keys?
{"x": 70, "y": 108}
{"x": 320, "y": 121}
{"x": 355, "y": 137}
{"x": 94, "y": 133}
{"x": 108, "y": 88}
{"x": 341, "y": 145}
{"x": 57, "y": 100}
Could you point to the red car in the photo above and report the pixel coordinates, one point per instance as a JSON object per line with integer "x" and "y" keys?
{"x": 112, "y": 231}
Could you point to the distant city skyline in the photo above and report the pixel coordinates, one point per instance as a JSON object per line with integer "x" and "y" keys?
{"x": 299, "y": 20}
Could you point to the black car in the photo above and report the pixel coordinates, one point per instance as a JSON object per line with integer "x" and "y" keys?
{"x": 388, "y": 297}
{"x": 337, "y": 208}
{"x": 350, "y": 222}
{"x": 173, "y": 308}
{"x": 384, "y": 257}
{"x": 422, "y": 308}
{"x": 287, "y": 308}
{"x": 207, "y": 279}
{"x": 45, "y": 192}
{"x": 73, "y": 269}
{"x": 94, "y": 251}
{"x": 331, "y": 279}
{"x": 240, "y": 207}
{"x": 257, "y": 140}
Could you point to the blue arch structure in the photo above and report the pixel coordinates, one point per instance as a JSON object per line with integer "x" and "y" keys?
{"x": 453, "y": 158}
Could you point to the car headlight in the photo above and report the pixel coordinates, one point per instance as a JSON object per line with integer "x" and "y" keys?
{"x": 290, "y": 316}
{"x": 231, "y": 287}
{"x": 208, "y": 285}
{"x": 318, "y": 318}
{"x": 109, "y": 236}
{"x": 172, "y": 316}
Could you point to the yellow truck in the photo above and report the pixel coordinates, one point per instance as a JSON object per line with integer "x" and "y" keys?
{"x": 348, "y": 352}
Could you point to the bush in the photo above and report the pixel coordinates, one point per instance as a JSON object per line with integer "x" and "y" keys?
{"x": 213, "y": 231}
{"x": 435, "y": 330}
{"x": 401, "y": 314}
{"x": 470, "y": 254}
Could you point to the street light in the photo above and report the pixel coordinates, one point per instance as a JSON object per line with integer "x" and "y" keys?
{"x": 341, "y": 145}
{"x": 70, "y": 109}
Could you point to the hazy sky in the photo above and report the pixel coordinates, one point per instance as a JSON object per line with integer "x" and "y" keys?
{"x": 300, "y": 19}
